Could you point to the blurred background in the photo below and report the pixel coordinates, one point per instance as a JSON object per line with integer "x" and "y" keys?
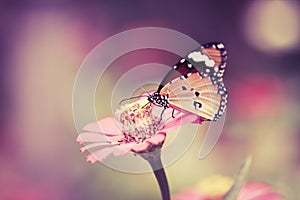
{"x": 43, "y": 43}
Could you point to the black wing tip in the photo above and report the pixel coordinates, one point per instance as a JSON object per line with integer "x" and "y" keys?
{"x": 216, "y": 45}
{"x": 219, "y": 46}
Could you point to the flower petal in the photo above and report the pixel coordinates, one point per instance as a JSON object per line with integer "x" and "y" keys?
{"x": 99, "y": 155}
{"x": 258, "y": 191}
{"x": 268, "y": 196}
{"x": 157, "y": 139}
{"x": 95, "y": 137}
{"x": 181, "y": 119}
{"x": 139, "y": 147}
{"x": 105, "y": 126}
{"x": 123, "y": 149}
{"x": 189, "y": 194}
{"x": 93, "y": 145}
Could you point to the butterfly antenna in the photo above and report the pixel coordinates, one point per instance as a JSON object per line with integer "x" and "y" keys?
{"x": 145, "y": 105}
{"x": 131, "y": 98}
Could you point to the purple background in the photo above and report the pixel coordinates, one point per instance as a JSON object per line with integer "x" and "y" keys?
{"x": 43, "y": 43}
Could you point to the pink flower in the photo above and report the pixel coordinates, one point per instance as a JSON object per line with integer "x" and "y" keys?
{"x": 139, "y": 126}
{"x": 266, "y": 91}
{"x": 215, "y": 188}
{"x": 258, "y": 191}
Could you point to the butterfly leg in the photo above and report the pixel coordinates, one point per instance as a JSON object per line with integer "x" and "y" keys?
{"x": 173, "y": 113}
{"x": 161, "y": 115}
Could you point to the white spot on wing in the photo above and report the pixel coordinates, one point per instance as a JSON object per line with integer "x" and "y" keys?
{"x": 210, "y": 63}
{"x": 197, "y": 56}
{"x": 220, "y": 46}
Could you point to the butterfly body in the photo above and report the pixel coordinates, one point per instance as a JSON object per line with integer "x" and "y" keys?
{"x": 195, "y": 84}
{"x": 159, "y": 100}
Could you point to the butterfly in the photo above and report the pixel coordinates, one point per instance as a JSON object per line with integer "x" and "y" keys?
{"x": 195, "y": 84}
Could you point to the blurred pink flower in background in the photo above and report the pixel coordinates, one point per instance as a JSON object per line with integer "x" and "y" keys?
{"x": 257, "y": 97}
{"x": 216, "y": 187}
{"x": 16, "y": 184}
{"x": 139, "y": 127}
{"x": 258, "y": 191}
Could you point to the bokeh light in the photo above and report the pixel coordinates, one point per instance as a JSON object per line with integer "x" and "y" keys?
{"x": 272, "y": 26}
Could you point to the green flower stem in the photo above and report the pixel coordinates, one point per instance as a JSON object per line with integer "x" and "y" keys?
{"x": 154, "y": 160}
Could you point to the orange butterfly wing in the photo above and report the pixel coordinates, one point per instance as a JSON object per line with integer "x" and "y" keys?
{"x": 195, "y": 94}
{"x": 202, "y": 91}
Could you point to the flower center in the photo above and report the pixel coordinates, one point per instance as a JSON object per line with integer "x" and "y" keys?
{"x": 138, "y": 122}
